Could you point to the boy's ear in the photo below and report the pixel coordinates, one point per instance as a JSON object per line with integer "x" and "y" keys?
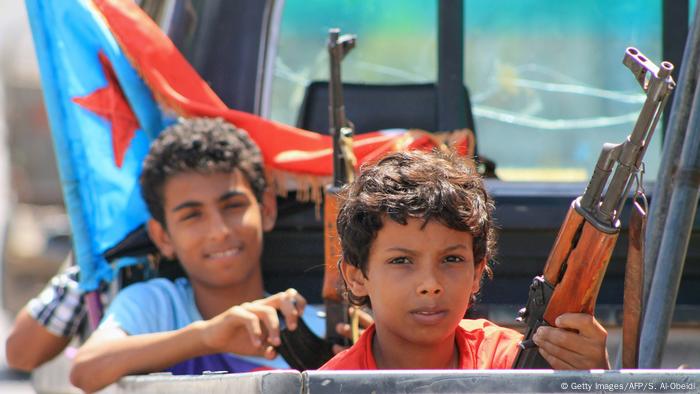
{"x": 161, "y": 238}
{"x": 478, "y": 274}
{"x": 268, "y": 208}
{"x": 354, "y": 279}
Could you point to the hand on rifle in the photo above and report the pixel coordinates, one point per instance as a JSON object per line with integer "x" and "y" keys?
{"x": 365, "y": 320}
{"x": 578, "y": 342}
{"x": 289, "y": 302}
{"x": 253, "y": 328}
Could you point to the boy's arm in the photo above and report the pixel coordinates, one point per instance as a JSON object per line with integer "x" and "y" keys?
{"x": 45, "y": 326}
{"x": 110, "y": 353}
{"x": 30, "y": 344}
{"x": 578, "y": 343}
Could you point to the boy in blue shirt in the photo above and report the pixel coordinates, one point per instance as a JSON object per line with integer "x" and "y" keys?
{"x": 204, "y": 184}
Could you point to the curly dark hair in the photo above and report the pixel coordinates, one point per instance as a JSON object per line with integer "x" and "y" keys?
{"x": 201, "y": 145}
{"x": 423, "y": 185}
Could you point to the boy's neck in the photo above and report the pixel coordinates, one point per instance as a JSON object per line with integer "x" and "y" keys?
{"x": 392, "y": 352}
{"x": 211, "y": 301}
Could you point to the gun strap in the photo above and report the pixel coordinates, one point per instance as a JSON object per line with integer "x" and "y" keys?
{"x": 301, "y": 348}
{"x": 634, "y": 277}
{"x": 355, "y": 325}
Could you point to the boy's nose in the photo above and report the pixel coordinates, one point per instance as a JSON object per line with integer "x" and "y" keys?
{"x": 433, "y": 290}
{"x": 430, "y": 285}
{"x": 218, "y": 229}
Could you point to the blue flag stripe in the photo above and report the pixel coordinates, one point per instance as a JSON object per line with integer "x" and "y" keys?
{"x": 52, "y": 97}
{"x": 102, "y": 199}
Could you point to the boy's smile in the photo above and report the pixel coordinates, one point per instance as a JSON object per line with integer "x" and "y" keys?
{"x": 420, "y": 278}
{"x": 224, "y": 254}
{"x": 214, "y": 226}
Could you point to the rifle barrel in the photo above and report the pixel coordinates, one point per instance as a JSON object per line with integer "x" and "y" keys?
{"x": 338, "y": 47}
{"x": 627, "y": 157}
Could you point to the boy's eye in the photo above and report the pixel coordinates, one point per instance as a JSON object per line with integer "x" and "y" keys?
{"x": 400, "y": 260}
{"x": 235, "y": 204}
{"x": 454, "y": 259}
{"x": 189, "y": 216}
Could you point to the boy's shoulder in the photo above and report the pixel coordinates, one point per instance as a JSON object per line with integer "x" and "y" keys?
{"x": 155, "y": 289}
{"x": 155, "y": 305}
{"x": 487, "y": 327}
{"x": 486, "y": 345}
{"x": 357, "y": 357}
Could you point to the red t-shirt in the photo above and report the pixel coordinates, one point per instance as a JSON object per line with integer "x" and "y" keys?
{"x": 481, "y": 345}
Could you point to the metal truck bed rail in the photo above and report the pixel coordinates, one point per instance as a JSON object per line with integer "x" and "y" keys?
{"x": 419, "y": 381}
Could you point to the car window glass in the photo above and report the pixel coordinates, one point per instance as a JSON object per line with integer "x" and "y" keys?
{"x": 548, "y": 85}
{"x": 396, "y": 44}
{"x": 546, "y": 79}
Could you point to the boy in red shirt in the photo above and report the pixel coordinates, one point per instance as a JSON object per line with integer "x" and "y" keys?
{"x": 416, "y": 232}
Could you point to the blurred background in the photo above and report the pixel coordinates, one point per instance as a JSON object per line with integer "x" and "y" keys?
{"x": 34, "y": 229}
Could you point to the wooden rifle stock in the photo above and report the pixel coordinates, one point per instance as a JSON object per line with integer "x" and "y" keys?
{"x": 341, "y": 132}
{"x": 336, "y": 306}
{"x": 584, "y": 252}
{"x": 574, "y": 270}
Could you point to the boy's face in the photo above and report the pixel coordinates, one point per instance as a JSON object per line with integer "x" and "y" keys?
{"x": 419, "y": 280}
{"x": 214, "y": 227}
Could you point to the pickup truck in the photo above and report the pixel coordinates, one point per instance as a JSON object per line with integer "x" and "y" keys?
{"x": 540, "y": 82}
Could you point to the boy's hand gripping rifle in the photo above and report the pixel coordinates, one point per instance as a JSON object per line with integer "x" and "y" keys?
{"x": 341, "y": 131}
{"x": 577, "y": 262}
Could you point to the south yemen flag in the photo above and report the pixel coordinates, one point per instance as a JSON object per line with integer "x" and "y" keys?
{"x": 102, "y": 118}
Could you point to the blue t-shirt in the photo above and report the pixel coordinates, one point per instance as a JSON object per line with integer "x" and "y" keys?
{"x": 162, "y": 305}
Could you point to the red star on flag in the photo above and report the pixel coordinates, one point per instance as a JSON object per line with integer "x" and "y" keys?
{"x": 110, "y": 104}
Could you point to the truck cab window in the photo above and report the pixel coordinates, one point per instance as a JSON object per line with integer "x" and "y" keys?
{"x": 545, "y": 77}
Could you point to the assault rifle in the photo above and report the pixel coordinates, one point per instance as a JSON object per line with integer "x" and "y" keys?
{"x": 341, "y": 131}
{"x": 301, "y": 348}
{"x": 577, "y": 262}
